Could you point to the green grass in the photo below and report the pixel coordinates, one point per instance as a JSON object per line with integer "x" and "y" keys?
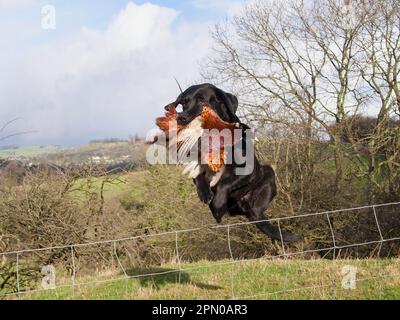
{"x": 259, "y": 279}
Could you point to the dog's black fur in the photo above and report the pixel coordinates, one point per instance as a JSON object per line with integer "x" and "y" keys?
{"x": 247, "y": 195}
{"x": 225, "y": 104}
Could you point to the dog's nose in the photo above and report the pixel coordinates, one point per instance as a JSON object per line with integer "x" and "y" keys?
{"x": 167, "y": 107}
{"x": 181, "y": 119}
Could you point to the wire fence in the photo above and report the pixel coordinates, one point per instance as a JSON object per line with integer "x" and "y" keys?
{"x": 25, "y": 286}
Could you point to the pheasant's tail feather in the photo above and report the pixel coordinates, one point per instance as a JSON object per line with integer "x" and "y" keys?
{"x": 188, "y": 138}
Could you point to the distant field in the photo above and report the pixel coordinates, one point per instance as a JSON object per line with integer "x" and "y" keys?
{"x": 30, "y": 151}
{"x": 260, "y": 279}
{"x": 104, "y": 152}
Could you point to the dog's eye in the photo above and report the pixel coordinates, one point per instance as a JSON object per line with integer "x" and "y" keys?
{"x": 179, "y": 108}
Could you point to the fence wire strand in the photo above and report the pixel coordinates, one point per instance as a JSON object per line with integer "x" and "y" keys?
{"x": 210, "y": 227}
{"x": 232, "y": 265}
{"x": 118, "y": 260}
{"x": 178, "y": 258}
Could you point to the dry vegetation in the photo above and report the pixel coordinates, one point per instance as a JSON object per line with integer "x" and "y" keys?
{"x": 62, "y": 209}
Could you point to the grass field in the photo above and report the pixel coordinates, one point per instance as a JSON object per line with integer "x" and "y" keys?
{"x": 258, "y": 279}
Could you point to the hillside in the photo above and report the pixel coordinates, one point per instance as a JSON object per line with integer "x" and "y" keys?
{"x": 149, "y": 204}
{"x": 96, "y": 152}
{"x": 29, "y": 151}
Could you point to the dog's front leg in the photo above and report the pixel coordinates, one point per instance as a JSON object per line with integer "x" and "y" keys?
{"x": 203, "y": 189}
{"x": 219, "y": 204}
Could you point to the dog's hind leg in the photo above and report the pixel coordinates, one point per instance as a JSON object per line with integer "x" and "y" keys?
{"x": 274, "y": 233}
{"x": 266, "y": 227}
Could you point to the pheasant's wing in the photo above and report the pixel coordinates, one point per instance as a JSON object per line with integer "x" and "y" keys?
{"x": 211, "y": 120}
{"x": 221, "y": 134}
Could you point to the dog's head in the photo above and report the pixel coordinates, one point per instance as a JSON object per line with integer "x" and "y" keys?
{"x": 192, "y": 100}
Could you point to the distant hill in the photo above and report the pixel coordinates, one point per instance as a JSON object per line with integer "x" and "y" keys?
{"x": 111, "y": 157}
{"x": 16, "y": 152}
{"x": 106, "y": 153}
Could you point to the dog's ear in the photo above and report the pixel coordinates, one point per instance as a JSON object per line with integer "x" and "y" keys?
{"x": 230, "y": 101}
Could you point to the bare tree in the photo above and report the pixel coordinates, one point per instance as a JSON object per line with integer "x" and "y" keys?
{"x": 307, "y": 65}
{"x": 379, "y": 67}
{"x": 5, "y": 136}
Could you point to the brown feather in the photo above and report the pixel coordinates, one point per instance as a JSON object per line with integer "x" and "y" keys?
{"x": 169, "y": 119}
{"x": 211, "y": 120}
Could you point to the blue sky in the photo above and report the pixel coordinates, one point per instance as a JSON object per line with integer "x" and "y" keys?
{"x": 75, "y": 14}
{"x": 105, "y": 71}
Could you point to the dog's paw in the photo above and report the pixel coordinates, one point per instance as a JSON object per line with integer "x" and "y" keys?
{"x": 217, "y": 218}
{"x": 206, "y": 196}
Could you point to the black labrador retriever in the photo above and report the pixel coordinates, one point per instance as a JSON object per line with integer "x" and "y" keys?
{"x": 248, "y": 195}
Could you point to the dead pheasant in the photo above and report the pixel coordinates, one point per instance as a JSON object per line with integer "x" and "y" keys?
{"x": 189, "y": 135}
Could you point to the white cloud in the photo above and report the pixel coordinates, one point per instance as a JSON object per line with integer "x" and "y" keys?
{"x": 101, "y": 83}
{"x": 14, "y": 4}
